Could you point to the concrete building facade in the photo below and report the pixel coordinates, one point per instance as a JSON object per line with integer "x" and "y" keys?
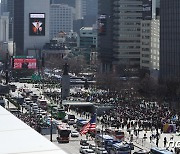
{"x": 61, "y": 19}
{"x": 31, "y": 25}
{"x": 8, "y": 6}
{"x": 126, "y": 32}
{"x": 4, "y": 27}
{"x": 150, "y": 30}
{"x": 87, "y": 37}
{"x": 34, "y": 7}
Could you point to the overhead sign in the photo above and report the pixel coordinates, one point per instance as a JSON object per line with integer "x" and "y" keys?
{"x": 147, "y": 9}
{"x": 36, "y": 77}
{"x": 102, "y": 23}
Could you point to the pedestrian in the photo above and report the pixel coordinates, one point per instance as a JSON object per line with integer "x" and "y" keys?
{"x": 150, "y": 139}
{"x": 172, "y": 137}
{"x": 87, "y": 136}
{"x": 157, "y": 142}
{"x": 165, "y": 141}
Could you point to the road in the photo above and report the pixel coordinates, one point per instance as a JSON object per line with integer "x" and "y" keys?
{"x": 74, "y": 145}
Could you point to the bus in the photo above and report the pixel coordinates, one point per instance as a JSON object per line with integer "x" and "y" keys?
{"x": 160, "y": 151}
{"x": 117, "y": 134}
{"x": 63, "y": 133}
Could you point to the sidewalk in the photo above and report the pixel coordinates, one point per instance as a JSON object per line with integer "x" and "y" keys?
{"x": 147, "y": 144}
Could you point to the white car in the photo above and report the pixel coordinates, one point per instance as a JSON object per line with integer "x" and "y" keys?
{"x": 82, "y": 148}
{"x": 74, "y": 134}
{"x": 87, "y": 151}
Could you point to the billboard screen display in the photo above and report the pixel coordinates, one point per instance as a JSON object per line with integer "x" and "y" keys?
{"x": 102, "y": 23}
{"x": 24, "y": 63}
{"x": 147, "y": 9}
{"x": 37, "y": 24}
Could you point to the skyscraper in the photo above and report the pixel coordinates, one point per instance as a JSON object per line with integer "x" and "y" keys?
{"x": 80, "y": 8}
{"x": 105, "y": 37}
{"x": 120, "y": 42}
{"x": 61, "y": 19}
{"x": 169, "y": 40}
{"x": 8, "y": 6}
{"x": 126, "y": 32}
{"x": 149, "y": 49}
{"x": 31, "y": 25}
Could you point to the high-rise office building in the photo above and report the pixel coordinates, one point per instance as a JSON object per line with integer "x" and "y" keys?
{"x": 4, "y": 27}
{"x": 150, "y": 28}
{"x": 169, "y": 40}
{"x": 8, "y": 6}
{"x": 31, "y": 25}
{"x": 126, "y": 32}
{"x": 61, "y": 19}
{"x": 149, "y": 59}
{"x": 87, "y": 37}
{"x": 105, "y": 37}
{"x": 119, "y": 33}
{"x": 80, "y": 9}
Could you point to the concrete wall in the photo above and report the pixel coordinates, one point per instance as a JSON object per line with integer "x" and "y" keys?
{"x": 35, "y": 6}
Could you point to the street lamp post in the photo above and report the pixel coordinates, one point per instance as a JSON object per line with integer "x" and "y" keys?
{"x": 102, "y": 136}
{"x": 51, "y": 126}
{"x": 30, "y": 114}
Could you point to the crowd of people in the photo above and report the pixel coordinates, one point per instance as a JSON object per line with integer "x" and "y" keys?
{"x": 132, "y": 112}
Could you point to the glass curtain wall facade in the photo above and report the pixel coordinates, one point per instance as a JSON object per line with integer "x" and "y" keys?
{"x": 105, "y": 38}
{"x": 19, "y": 26}
{"x": 169, "y": 40}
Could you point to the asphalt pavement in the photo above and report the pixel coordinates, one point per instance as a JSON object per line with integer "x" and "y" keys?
{"x": 74, "y": 145}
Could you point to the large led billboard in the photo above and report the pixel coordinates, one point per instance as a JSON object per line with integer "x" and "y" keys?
{"x": 102, "y": 23}
{"x": 147, "y": 10}
{"x": 37, "y": 24}
{"x": 20, "y": 63}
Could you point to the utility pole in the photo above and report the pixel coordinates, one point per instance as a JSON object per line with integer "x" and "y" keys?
{"x": 51, "y": 126}
{"x": 6, "y": 67}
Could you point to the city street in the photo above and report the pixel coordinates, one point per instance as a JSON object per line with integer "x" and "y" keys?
{"x": 73, "y": 146}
